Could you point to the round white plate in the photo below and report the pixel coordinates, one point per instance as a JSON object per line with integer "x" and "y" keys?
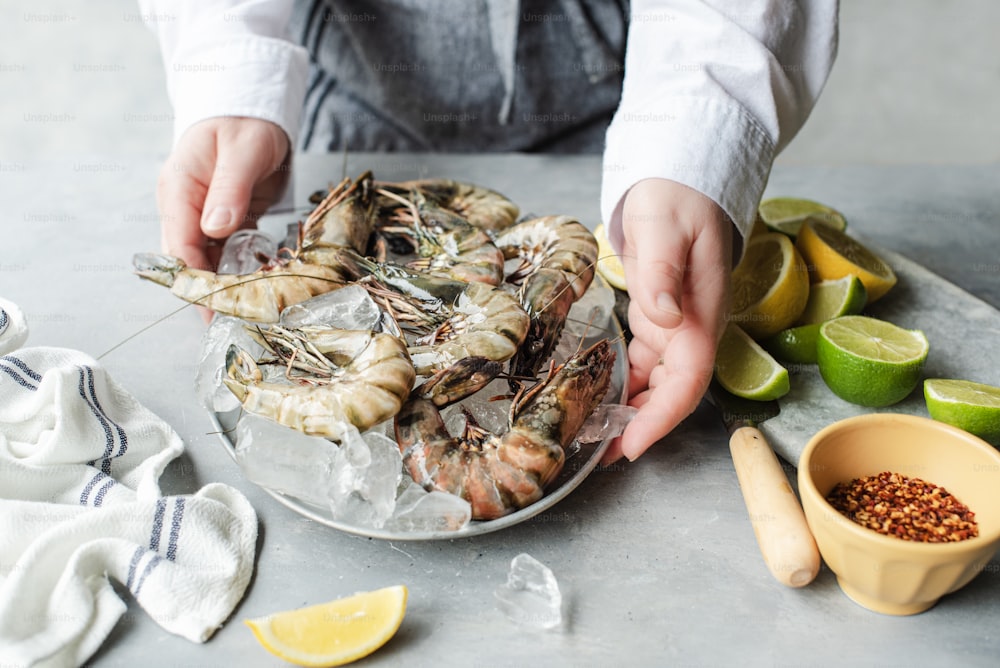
{"x": 579, "y": 465}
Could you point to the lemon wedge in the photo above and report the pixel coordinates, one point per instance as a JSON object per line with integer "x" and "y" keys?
{"x": 609, "y": 264}
{"x": 334, "y": 633}
{"x": 770, "y": 286}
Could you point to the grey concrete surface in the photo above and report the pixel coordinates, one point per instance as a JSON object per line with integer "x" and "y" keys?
{"x": 917, "y": 81}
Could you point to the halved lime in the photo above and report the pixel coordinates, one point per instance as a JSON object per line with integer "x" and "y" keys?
{"x": 746, "y": 369}
{"x": 834, "y": 298}
{"x": 868, "y": 361}
{"x": 971, "y": 406}
{"x": 796, "y": 345}
{"x": 786, "y": 214}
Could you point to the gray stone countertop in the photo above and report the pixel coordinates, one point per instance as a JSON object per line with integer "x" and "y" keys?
{"x": 656, "y": 559}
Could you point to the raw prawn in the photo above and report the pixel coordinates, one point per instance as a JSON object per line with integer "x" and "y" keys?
{"x": 482, "y": 207}
{"x": 447, "y": 244}
{"x": 556, "y": 257}
{"x": 498, "y": 474}
{"x": 453, "y": 319}
{"x": 344, "y": 218}
{"x": 322, "y": 379}
{"x": 260, "y": 296}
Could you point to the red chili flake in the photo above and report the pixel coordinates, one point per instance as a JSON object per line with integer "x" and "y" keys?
{"x": 907, "y": 508}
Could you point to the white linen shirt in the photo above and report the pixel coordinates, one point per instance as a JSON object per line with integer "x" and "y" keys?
{"x": 712, "y": 90}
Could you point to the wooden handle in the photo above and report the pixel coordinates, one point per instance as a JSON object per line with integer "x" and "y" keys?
{"x": 777, "y": 518}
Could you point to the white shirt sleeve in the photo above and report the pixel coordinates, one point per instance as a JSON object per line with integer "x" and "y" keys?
{"x": 712, "y": 92}
{"x": 230, "y": 58}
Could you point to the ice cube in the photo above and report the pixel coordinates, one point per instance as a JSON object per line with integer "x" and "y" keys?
{"x": 349, "y": 307}
{"x": 531, "y": 595}
{"x": 284, "y": 460}
{"x": 244, "y": 250}
{"x": 366, "y": 478}
{"x": 607, "y": 421}
{"x": 418, "y": 510}
{"x": 209, "y": 388}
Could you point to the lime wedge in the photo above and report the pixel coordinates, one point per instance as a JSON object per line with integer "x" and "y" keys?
{"x": 746, "y": 369}
{"x": 974, "y": 407}
{"x": 868, "y": 361}
{"x": 795, "y": 345}
{"x": 834, "y": 298}
{"x": 786, "y": 214}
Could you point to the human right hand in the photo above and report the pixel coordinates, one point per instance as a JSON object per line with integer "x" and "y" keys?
{"x": 221, "y": 176}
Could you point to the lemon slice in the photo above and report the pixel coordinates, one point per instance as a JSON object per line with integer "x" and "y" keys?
{"x": 770, "y": 286}
{"x": 609, "y": 264}
{"x": 334, "y": 633}
{"x": 746, "y": 369}
{"x": 974, "y": 407}
{"x": 787, "y": 214}
{"x": 870, "y": 362}
{"x": 831, "y": 254}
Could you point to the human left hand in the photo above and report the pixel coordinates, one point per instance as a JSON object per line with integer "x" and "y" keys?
{"x": 677, "y": 255}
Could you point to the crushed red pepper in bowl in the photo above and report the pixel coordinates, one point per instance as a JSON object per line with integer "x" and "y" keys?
{"x": 903, "y": 507}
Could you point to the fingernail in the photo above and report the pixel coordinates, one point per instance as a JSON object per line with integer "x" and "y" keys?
{"x": 218, "y": 220}
{"x": 666, "y": 303}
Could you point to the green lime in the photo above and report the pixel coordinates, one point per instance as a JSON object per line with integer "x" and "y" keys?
{"x": 834, "y": 298}
{"x": 786, "y": 214}
{"x": 868, "y": 361}
{"x": 746, "y": 369}
{"x": 974, "y": 407}
{"x": 796, "y": 345}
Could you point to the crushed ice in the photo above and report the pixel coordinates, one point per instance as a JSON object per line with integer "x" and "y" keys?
{"x": 530, "y": 597}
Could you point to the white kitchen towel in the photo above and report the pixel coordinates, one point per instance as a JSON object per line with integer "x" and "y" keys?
{"x": 13, "y": 327}
{"x": 80, "y": 504}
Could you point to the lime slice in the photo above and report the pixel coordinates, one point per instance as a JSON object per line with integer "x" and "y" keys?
{"x": 831, "y": 254}
{"x": 746, "y": 369}
{"x": 868, "y": 361}
{"x": 787, "y": 214}
{"x": 974, "y": 407}
{"x": 795, "y": 345}
{"x": 334, "y": 633}
{"x": 609, "y": 264}
{"x": 770, "y": 286}
{"x": 834, "y": 298}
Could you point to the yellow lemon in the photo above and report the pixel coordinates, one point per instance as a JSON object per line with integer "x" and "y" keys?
{"x": 770, "y": 286}
{"x": 609, "y": 264}
{"x": 334, "y": 633}
{"x": 831, "y": 254}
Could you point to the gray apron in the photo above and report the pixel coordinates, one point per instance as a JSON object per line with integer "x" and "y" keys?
{"x": 461, "y": 75}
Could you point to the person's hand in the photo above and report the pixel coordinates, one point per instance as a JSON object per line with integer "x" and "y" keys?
{"x": 222, "y": 174}
{"x": 677, "y": 256}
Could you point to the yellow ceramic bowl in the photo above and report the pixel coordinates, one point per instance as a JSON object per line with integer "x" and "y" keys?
{"x": 883, "y": 573}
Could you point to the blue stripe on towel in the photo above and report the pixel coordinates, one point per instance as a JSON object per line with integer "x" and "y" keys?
{"x": 175, "y": 528}
{"x": 8, "y": 361}
{"x": 154, "y": 538}
{"x": 111, "y": 428}
{"x": 99, "y": 497}
{"x": 132, "y": 565}
{"x": 20, "y": 364}
{"x": 98, "y": 477}
{"x": 109, "y": 439}
{"x": 150, "y": 565}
